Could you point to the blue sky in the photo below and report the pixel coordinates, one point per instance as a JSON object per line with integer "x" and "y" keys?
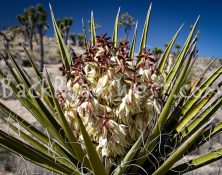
{"x": 166, "y": 18}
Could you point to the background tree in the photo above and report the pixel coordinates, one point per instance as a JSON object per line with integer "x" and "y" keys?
{"x": 165, "y": 45}
{"x": 80, "y": 39}
{"x": 42, "y": 27}
{"x": 24, "y": 26}
{"x": 73, "y": 38}
{"x": 126, "y": 22}
{"x": 97, "y": 26}
{"x": 64, "y": 26}
{"x": 32, "y": 17}
{"x": 177, "y": 47}
{"x": 157, "y": 51}
{"x": 28, "y": 21}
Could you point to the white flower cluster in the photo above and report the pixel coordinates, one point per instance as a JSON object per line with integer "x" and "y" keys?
{"x": 115, "y": 106}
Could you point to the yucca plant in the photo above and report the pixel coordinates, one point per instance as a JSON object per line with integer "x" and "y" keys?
{"x": 120, "y": 114}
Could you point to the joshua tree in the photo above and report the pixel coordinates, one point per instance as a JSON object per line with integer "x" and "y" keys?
{"x": 126, "y": 22}
{"x": 73, "y": 38}
{"x": 42, "y": 27}
{"x": 32, "y": 17}
{"x": 157, "y": 51}
{"x": 33, "y": 21}
{"x": 24, "y": 26}
{"x": 28, "y": 22}
{"x": 80, "y": 39}
{"x": 97, "y": 26}
{"x": 36, "y": 38}
{"x": 177, "y": 47}
{"x": 165, "y": 45}
{"x": 65, "y": 25}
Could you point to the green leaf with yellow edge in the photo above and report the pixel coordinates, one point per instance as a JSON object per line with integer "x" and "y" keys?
{"x": 145, "y": 32}
{"x": 39, "y": 113}
{"x": 37, "y": 134}
{"x": 180, "y": 60}
{"x": 42, "y": 148}
{"x": 202, "y": 118}
{"x": 207, "y": 135}
{"x": 155, "y": 134}
{"x": 93, "y": 31}
{"x": 95, "y": 162}
{"x": 79, "y": 153}
{"x": 200, "y": 77}
{"x": 84, "y": 35}
{"x": 46, "y": 97}
{"x": 63, "y": 51}
{"x": 193, "y": 110}
{"x": 132, "y": 48}
{"x": 199, "y": 92}
{"x": 168, "y": 50}
{"x": 32, "y": 154}
{"x": 37, "y": 72}
{"x": 115, "y": 31}
{"x": 197, "y": 162}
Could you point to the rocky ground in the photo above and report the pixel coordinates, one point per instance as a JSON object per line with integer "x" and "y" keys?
{"x": 11, "y": 165}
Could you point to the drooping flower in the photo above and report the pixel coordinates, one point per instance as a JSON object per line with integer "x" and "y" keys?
{"x": 115, "y": 98}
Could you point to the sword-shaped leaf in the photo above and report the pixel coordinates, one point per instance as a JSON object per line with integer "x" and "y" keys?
{"x": 63, "y": 51}
{"x": 197, "y": 162}
{"x": 84, "y": 35}
{"x": 203, "y": 117}
{"x": 37, "y": 134}
{"x": 168, "y": 50}
{"x": 68, "y": 132}
{"x": 92, "y": 30}
{"x": 145, "y": 32}
{"x": 199, "y": 92}
{"x": 193, "y": 110}
{"x": 152, "y": 140}
{"x": 39, "y": 113}
{"x": 94, "y": 159}
{"x": 200, "y": 77}
{"x": 32, "y": 154}
{"x": 115, "y": 31}
{"x": 132, "y": 48}
{"x": 180, "y": 60}
{"x": 42, "y": 148}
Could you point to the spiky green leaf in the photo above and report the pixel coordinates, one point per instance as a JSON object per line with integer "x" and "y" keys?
{"x": 31, "y": 154}
{"x": 115, "y": 30}
{"x": 63, "y": 51}
{"x": 93, "y": 30}
{"x": 197, "y": 162}
{"x": 145, "y": 32}
{"x": 132, "y": 48}
{"x": 168, "y": 50}
{"x": 79, "y": 153}
{"x": 180, "y": 60}
{"x": 94, "y": 159}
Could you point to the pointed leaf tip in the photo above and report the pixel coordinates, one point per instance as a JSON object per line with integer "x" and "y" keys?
{"x": 144, "y": 37}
